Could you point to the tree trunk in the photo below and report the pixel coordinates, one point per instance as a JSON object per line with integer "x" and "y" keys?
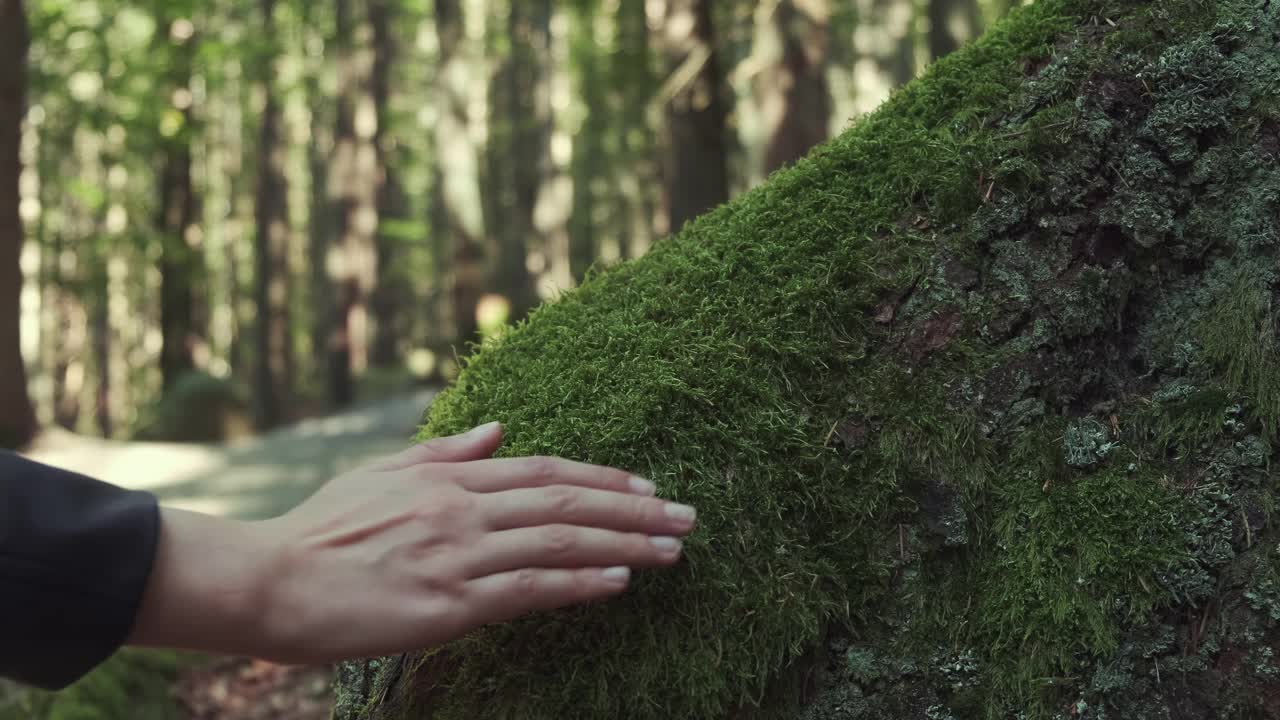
{"x": 952, "y": 23}
{"x": 355, "y": 180}
{"x": 102, "y": 348}
{"x": 790, "y": 87}
{"x": 458, "y": 217}
{"x": 696, "y": 169}
{"x": 590, "y": 164}
{"x": 392, "y": 293}
{"x": 176, "y": 221}
{"x": 527, "y": 106}
{"x": 979, "y": 406}
{"x": 274, "y": 371}
{"x": 319, "y": 214}
{"x": 59, "y": 331}
{"x": 638, "y": 176}
{"x": 17, "y": 415}
{"x": 884, "y": 49}
{"x": 177, "y": 261}
{"x": 342, "y": 288}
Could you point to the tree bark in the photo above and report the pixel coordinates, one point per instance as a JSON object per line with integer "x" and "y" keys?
{"x": 979, "y": 405}
{"x": 274, "y": 365}
{"x": 17, "y": 414}
{"x": 697, "y": 167}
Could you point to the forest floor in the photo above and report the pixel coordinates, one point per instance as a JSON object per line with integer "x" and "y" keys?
{"x": 255, "y": 478}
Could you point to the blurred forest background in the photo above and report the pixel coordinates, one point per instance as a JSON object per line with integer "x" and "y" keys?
{"x": 220, "y": 217}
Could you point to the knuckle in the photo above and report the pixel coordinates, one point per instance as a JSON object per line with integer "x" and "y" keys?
{"x": 619, "y": 480}
{"x": 430, "y": 547}
{"x": 542, "y": 468}
{"x": 638, "y": 514}
{"x": 526, "y": 582}
{"x": 639, "y": 544}
{"x": 653, "y": 513}
{"x": 584, "y": 583}
{"x": 435, "y": 611}
{"x": 560, "y": 540}
{"x": 460, "y": 502}
{"x": 441, "y": 474}
{"x": 446, "y": 508}
{"x": 435, "y": 446}
{"x": 606, "y": 479}
{"x": 444, "y": 586}
{"x": 562, "y": 500}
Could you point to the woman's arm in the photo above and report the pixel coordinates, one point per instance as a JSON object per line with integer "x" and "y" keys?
{"x": 403, "y": 554}
{"x": 406, "y": 553}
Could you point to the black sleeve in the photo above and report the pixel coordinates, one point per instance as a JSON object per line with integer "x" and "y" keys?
{"x": 75, "y": 554}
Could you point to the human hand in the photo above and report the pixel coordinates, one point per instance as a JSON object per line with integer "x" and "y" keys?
{"x": 407, "y": 553}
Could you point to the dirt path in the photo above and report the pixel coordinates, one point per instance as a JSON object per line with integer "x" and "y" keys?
{"x": 258, "y": 478}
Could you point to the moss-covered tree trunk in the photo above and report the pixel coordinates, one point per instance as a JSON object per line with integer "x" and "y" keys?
{"x": 978, "y": 404}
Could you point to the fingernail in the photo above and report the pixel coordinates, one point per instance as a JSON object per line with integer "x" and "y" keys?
{"x": 684, "y": 513}
{"x": 640, "y": 486}
{"x": 617, "y": 575}
{"x": 483, "y": 429}
{"x": 666, "y": 545}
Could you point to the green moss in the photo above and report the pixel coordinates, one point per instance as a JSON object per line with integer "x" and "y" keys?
{"x": 978, "y": 389}
{"x": 1239, "y": 334}
{"x": 1183, "y": 418}
{"x": 1068, "y": 568}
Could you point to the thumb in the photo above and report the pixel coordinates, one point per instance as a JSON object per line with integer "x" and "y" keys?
{"x": 475, "y": 444}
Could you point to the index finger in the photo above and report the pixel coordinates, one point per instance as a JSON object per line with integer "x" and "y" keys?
{"x": 499, "y": 474}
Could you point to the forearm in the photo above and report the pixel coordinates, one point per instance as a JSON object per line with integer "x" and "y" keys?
{"x": 206, "y": 590}
{"x": 402, "y": 554}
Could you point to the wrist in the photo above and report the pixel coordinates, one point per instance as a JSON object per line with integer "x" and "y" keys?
{"x": 207, "y": 586}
